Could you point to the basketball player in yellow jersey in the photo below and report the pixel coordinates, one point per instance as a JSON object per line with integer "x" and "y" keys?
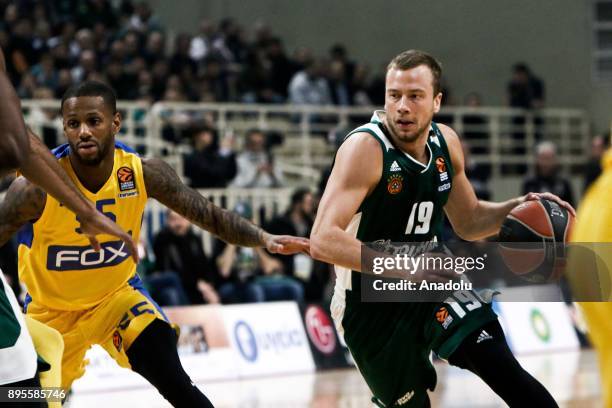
{"x": 96, "y": 297}
{"x": 594, "y": 224}
{"x": 21, "y": 150}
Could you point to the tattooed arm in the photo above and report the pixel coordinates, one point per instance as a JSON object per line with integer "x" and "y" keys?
{"x": 23, "y": 202}
{"x": 163, "y": 184}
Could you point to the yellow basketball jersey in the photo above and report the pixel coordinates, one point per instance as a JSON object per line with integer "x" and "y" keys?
{"x": 57, "y": 264}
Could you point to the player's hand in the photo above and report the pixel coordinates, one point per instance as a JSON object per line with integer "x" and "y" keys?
{"x": 551, "y": 197}
{"x": 97, "y": 223}
{"x": 287, "y": 244}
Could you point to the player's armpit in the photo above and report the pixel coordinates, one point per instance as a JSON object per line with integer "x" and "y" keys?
{"x": 164, "y": 185}
{"x": 23, "y": 202}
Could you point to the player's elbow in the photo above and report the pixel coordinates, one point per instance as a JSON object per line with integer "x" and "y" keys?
{"x": 12, "y": 153}
{"x": 317, "y": 245}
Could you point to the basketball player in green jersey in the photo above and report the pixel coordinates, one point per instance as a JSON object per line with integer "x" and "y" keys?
{"x": 393, "y": 179}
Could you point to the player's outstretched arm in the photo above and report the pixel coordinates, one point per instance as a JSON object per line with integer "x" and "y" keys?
{"x": 13, "y": 141}
{"x": 164, "y": 185}
{"x": 23, "y": 202}
{"x": 474, "y": 219}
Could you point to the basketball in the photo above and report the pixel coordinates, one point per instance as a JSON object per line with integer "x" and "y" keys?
{"x": 532, "y": 240}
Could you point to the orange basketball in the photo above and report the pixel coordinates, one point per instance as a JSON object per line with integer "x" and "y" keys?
{"x": 532, "y": 240}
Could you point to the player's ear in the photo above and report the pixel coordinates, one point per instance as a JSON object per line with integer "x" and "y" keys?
{"x": 116, "y": 126}
{"x": 437, "y": 102}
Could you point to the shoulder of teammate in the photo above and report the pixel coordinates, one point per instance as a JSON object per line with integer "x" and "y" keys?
{"x": 359, "y": 161}
{"x": 454, "y": 147}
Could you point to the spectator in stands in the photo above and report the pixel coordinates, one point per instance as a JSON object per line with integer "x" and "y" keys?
{"x": 339, "y": 85}
{"x": 478, "y": 174}
{"x": 309, "y": 87}
{"x": 46, "y": 119}
{"x": 178, "y": 249}
{"x": 209, "y": 165}
{"x": 525, "y": 91}
{"x": 202, "y": 44}
{"x": 215, "y": 78}
{"x": 64, "y": 81}
{"x": 360, "y": 85}
{"x": 255, "y": 83}
{"x": 256, "y": 167}
{"x": 87, "y": 65}
{"x": 338, "y": 54}
{"x": 143, "y": 19}
{"x": 282, "y": 68}
{"x": 251, "y": 274}
{"x": 475, "y": 125}
{"x": 376, "y": 89}
{"x": 44, "y": 72}
{"x": 592, "y": 170}
{"x": 155, "y": 48}
{"x": 297, "y": 220}
{"x": 27, "y": 86}
{"x": 547, "y": 178}
{"x": 20, "y": 54}
{"x": 181, "y": 60}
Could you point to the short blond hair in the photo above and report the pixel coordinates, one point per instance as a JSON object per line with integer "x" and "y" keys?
{"x": 413, "y": 58}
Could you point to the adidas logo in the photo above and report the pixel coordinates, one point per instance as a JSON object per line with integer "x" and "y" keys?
{"x": 395, "y": 167}
{"x": 483, "y": 336}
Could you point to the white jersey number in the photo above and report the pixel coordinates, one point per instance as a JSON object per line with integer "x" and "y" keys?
{"x": 422, "y": 212}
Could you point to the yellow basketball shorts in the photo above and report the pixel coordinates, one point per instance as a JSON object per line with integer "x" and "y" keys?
{"x": 113, "y": 324}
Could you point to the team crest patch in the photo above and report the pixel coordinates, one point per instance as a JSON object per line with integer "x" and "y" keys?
{"x": 125, "y": 176}
{"x": 395, "y": 183}
{"x": 117, "y": 340}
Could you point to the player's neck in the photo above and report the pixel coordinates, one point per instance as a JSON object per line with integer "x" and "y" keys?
{"x": 93, "y": 177}
{"x": 416, "y": 149}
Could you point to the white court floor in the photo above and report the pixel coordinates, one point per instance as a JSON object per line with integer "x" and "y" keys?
{"x": 571, "y": 377}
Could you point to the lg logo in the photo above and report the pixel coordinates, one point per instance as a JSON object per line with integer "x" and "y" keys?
{"x": 320, "y": 329}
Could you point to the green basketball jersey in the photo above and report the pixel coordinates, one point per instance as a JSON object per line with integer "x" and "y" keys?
{"x": 407, "y": 204}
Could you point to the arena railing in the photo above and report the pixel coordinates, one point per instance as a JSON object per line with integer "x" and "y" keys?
{"x": 500, "y": 137}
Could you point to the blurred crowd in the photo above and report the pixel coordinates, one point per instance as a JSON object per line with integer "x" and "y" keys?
{"x": 51, "y": 44}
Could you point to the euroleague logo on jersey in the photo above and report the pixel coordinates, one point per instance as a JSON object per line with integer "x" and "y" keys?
{"x": 125, "y": 176}
{"x": 441, "y": 164}
{"x": 395, "y": 183}
{"x": 320, "y": 329}
{"x": 117, "y": 340}
{"x": 443, "y": 317}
